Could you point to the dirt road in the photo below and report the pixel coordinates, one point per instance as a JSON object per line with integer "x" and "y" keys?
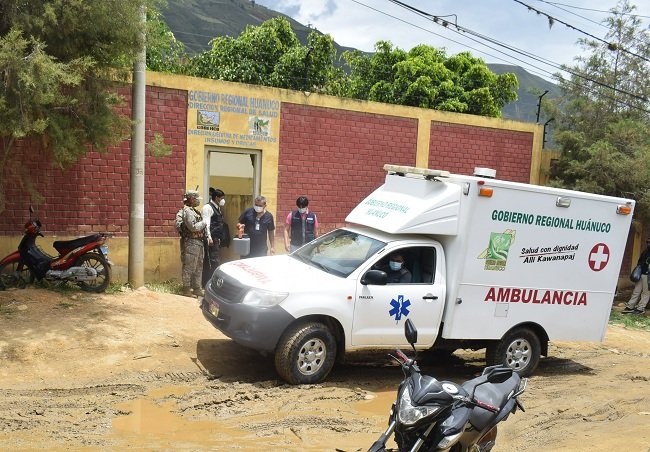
{"x": 144, "y": 370}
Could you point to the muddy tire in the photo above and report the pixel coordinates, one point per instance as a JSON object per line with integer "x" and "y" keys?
{"x": 305, "y": 354}
{"x": 15, "y": 275}
{"x": 519, "y": 349}
{"x": 100, "y": 264}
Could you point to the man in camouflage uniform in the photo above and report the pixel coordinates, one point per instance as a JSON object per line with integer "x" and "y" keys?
{"x": 192, "y": 245}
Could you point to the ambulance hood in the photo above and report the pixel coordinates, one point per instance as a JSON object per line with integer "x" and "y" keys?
{"x": 410, "y": 205}
{"x": 278, "y": 273}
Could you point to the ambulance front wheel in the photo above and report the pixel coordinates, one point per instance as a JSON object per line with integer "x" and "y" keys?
{"x": 519, "y": 349}
{"x": 305, "y": 353}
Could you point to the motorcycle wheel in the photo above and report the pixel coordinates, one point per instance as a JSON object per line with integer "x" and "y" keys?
{"x": 15, "y": 275}
{"x": 305, "y": 354}
{"x": 99, "y": 263}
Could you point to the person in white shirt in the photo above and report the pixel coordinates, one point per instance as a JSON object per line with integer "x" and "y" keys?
{"x": 213, "y": 218}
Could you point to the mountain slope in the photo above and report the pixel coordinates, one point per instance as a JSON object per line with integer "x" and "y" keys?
{"x": 196, "y": 22}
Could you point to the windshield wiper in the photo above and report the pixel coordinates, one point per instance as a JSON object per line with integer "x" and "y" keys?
{"x": 319, "y": 265}
{"x": 306, "y": 260}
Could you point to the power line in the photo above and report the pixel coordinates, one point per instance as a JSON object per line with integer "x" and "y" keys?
{"x": 532, "y": 56}
{"x": 444, "y": 23}
{"x": 574, "y": 14}
{"x": 551, "y": 20}
{"x": 596, "y": 10}
{"x": 452, "y": 40}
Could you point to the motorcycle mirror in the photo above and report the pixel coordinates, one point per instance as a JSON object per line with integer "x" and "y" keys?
{"x": 410, "y": 332}
{"x": 31, "y": 210}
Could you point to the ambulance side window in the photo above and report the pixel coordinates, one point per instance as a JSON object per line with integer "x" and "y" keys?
{"x": 427, "y": 264}
{"x": 420, "y": 261}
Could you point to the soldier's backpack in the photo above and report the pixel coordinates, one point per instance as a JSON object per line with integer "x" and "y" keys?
{"x": 179, "y": 222}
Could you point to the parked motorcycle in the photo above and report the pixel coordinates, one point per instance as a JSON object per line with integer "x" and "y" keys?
{"x": 83, "y": 261}
{"x": 432, "y": 415}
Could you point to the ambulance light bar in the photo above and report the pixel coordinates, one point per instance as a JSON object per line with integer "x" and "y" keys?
{"x": 425, "y": 172}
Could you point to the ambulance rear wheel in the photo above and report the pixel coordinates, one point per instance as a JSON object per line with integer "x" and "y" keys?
{"x": 305, "y": 354}
{"x": 519, "y": 349}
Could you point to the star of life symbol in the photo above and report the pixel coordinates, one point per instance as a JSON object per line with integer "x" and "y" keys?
{"x": 400, "y": 308}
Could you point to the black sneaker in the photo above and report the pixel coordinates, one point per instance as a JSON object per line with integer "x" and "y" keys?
{"x": 637, "y": 312}
{"x": 628, "y": 310}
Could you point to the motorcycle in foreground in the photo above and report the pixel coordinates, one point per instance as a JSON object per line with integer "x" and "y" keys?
{"x": 432, "y": 415}
{"x": 82, "y": 261}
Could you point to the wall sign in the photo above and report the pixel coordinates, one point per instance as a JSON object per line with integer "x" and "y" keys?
{"x": 228, "y": 119}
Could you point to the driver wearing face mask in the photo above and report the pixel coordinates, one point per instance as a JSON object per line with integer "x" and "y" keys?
{"x": 396, "y": 271}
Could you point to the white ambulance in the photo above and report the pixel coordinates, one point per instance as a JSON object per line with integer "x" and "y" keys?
{"x": 487, "y": 264}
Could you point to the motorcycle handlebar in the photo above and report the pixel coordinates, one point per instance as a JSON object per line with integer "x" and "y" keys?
{"x": 401, "y": 356}
{"x": 486, "y": 406}
{"x": 474, "y": 402}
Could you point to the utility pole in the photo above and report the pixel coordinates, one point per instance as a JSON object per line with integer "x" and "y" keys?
{"x": 539, "y": 105}
{"x": 136, "y": 198}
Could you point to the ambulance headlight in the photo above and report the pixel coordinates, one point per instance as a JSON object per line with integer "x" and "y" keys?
{"x": 409, "y": 414}
{"x": 263, "y": 298}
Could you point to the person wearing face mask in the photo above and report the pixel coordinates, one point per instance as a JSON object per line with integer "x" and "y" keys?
{"x": 396, "y": 271}
{"x": 641, "y": 294}
{"x": 258, "y": 224}
{"x": 214, "y": 226}
{"x": 301, "y": 226}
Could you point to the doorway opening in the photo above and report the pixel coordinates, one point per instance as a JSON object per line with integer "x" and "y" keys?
{"x": 237, "y": 172}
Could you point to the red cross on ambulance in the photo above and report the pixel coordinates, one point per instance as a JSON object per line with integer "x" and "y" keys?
{"x": 598, "y": 257}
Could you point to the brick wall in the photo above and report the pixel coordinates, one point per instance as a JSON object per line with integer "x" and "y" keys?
{"x": 336, "y": 158}
{"x": 93, "y": 195}
{"x": 460, "y": 148}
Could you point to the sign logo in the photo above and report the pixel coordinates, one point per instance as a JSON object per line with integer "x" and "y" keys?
{"x": 496, "y": 254}
{"x": 219, "y": 283}
{"x": 259, "y": 125}
{"x": 207, "y": 120}
{"x": 400, "y": 308}
{"x": 598, "y": 257}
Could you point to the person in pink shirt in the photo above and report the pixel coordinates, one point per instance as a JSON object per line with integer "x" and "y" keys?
{"x": 301, "y": 226}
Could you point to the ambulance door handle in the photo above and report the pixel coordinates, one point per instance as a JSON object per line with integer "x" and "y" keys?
{"x": 429, "y": 297}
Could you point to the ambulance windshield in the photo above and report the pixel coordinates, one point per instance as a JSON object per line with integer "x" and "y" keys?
{"x": 339, "y": 252}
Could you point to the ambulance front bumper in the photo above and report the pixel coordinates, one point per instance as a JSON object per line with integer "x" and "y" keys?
{"x": 251, "y": 326}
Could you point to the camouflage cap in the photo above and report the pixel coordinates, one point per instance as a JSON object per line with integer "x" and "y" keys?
{"x": 191, "y": 194}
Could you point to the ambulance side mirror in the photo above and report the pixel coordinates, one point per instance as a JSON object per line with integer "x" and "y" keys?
{"x": 374, "y": 278}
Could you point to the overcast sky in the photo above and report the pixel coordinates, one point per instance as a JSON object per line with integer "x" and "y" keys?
{"x": 361, "y": 23}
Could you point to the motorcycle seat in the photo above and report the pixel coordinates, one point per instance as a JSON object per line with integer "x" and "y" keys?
{"x": 495, "y": 394}
{"x": 63, "y": 246}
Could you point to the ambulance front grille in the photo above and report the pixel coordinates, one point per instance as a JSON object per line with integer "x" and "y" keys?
{"x": 227, "y": 289}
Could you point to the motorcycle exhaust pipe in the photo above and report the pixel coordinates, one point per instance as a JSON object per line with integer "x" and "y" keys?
{"x": 73, "y": 274}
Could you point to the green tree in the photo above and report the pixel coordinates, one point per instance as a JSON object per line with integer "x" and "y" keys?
{"x": 269, "y": 55}
{"x": 425, "y": 77}
{"x": 59, "y": 61}
{"x": 602, "y": 122}
{"x": 164, "y": 52}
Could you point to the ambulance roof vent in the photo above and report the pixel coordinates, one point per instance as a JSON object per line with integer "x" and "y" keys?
{"x": 412, "y": 170}
{"x": 488, "y": 173}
